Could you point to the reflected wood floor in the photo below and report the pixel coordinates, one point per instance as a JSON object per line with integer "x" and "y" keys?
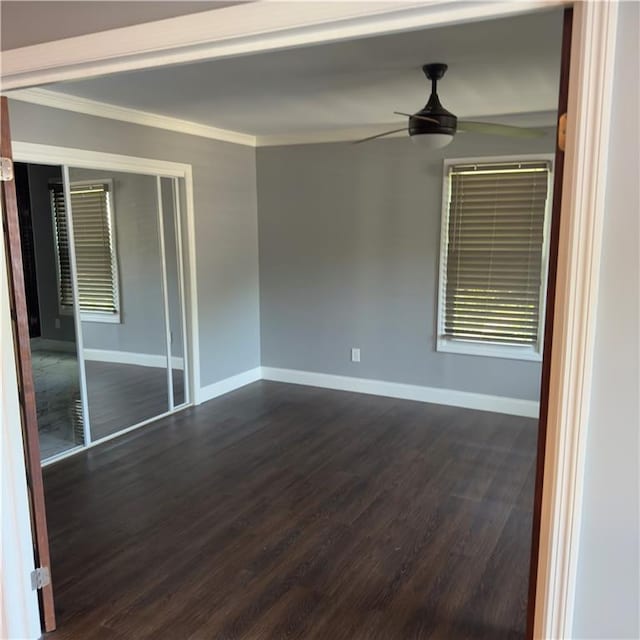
{"x": 121, "y": 395}
{"x": 118, "y": 395}
{"x": 281, "y": 511}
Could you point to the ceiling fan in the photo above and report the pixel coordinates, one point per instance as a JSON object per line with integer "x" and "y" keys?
{"x": 434, "y": 127}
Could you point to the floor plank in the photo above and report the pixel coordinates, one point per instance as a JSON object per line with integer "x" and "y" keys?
{"x": 282, "y": 511}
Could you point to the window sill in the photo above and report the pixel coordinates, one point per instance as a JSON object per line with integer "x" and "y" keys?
{"x": 449, "y": 345}
{"x": 92, "y": 316}
{"x": 96, "y": 316}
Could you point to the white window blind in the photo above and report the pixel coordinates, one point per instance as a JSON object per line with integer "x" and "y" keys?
{"x": 94, "y": 249}
{"x": 493, "y": 266}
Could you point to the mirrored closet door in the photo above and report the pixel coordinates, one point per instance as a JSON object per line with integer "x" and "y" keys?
{"x": 128, "y": 295}
{"x": 172, "y": 243}
{"x": 104, "y": 265}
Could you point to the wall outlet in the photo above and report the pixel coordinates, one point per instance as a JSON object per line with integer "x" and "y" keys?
{"x": 355, "y": 355}
{"x": 57, "y": 323}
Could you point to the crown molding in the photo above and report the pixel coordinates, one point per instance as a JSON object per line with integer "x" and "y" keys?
{"x": 56, "y": 100}
{"x": 67, "y": 102}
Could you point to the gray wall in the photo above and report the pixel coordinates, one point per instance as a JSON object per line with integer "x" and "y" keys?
{"x": 608, "y": 591}
{"x": 45, "y": 254}
{"x": 349, "y": 253}
{"x": 226, "y": 221}
{"x": 141, "y": 328}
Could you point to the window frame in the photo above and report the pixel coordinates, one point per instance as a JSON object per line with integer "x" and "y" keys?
{"x": 90, "y": 316}
{"x": 447, "y": 344}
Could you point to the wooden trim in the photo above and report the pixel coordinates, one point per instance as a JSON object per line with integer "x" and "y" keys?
{"x": 554, "y": 237}
{"x": 571, "y": 361}
{"x": 25, "y": 374}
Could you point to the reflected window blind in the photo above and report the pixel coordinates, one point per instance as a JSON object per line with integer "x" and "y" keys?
{"x": 94, "y": 250}
{"x": 65, "y": 283}
{"x": 494, "y": 252}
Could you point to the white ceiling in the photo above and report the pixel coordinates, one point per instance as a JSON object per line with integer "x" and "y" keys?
{"x": 507, "y": 66}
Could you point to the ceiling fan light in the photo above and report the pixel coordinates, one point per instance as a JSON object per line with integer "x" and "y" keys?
{"x": 432, "y": 140}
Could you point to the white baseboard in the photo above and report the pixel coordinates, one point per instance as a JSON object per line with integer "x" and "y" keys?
{"x": 228, "y": 384}
{"x": 130, "y": 357}
{"x": 451, "y": 397}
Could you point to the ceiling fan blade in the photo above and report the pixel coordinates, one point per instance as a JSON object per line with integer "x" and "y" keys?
{"x": 492, "y": 129}
{"x": 379, "y": 135}
{"x": 413, "y": 115}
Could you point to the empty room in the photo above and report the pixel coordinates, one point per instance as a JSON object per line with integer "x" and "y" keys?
{"x": 287, "y": 314}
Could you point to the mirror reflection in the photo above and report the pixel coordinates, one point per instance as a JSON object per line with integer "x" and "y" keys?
{"x": 119, "y": 276}
{"x": 52, "y": 332}
{"x": 170, "y": 217}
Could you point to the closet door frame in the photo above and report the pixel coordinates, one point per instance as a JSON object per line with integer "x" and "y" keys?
{"x": 165, "y": 292}
{"x": 177, "y": 219}
{"x": 185, "y": 240}
{"x": 77, "y": 320}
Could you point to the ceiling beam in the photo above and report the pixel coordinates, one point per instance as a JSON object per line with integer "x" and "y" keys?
{"x": 237, "y": 30}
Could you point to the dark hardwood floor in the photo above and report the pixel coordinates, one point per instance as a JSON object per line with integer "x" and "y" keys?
{"x": 281, "y": 512}
{"x": 121, "y": 395}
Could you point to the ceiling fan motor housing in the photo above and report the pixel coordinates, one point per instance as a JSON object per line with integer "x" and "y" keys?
{"x": 447, "y": 122}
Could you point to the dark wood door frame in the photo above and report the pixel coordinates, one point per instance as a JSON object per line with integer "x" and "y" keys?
{"x": 554, "y": 237}
{"x": 26, "y": 391}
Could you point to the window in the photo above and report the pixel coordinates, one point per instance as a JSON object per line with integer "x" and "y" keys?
{"x": 94, "y": 244}
{"x": 493, "y": 264}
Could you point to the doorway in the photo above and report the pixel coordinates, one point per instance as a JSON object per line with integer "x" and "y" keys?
{"x": 587, "y": 167}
